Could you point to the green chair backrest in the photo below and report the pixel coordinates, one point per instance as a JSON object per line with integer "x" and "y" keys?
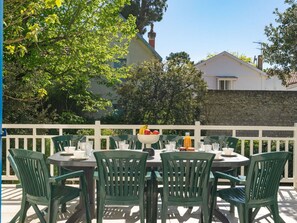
{"x": 121, "y": 174}
{"x": 186, "y": 175}
{"x": 222, "y": 140}
{"x": 264, "y": 175}
{"x": 114, "y": 141}
{"x": 13, "y": 166}
{"x": 165, "y": 139}
{"x": 66, "y": 140}
{"x": 34, "y": 174}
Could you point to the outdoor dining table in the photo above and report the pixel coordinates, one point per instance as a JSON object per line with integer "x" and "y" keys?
{"x": 88, "y": 166}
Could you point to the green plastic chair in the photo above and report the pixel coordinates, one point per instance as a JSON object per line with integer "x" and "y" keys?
{"x": 59, "y": 143}
{"x": 66, "y": 140}
{"x": 222, "y": 140}
{"x": 185, "y": 181}
{"x": 15, "y": 170}
{"x": 39, "y": 188}
{"x": 114, "y": 141}
{"x": 260, "y": 186}
{"x": 122, "y": 175}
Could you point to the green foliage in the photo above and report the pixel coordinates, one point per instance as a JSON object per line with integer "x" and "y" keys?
{"x": 281, "y": 49}
{"x": 180, "y": 57}
{"x": 162, "y": 93}
{"x": 53, "y": 51}
{"x": 146, "y": 12}
{"x": 239, "y": 56}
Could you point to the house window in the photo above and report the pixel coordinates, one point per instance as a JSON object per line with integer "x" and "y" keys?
{"x": 225, "y": 85}
{"x": 226, "y": 82}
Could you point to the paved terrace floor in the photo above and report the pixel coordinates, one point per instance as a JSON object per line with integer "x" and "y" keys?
{"x": 11, "y": 198}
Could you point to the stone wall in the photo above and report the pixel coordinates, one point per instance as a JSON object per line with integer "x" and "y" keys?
{"x": 267, "y": 108}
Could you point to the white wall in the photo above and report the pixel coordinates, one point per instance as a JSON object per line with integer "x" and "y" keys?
{"x": 223, "y": 65}
{"x": 248, "y": 78}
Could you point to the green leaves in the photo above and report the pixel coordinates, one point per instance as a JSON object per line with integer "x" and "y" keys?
{"x": 57, "y": 48}
{"x": 281, "y": 49}
{"x": 162, "y": 93}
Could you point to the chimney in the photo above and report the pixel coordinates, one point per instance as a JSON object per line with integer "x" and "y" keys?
{"x": 260, "y": 62}
{"x": 152, "y": 35}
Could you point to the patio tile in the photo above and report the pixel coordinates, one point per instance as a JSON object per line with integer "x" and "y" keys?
{"x": 287, "y": 202}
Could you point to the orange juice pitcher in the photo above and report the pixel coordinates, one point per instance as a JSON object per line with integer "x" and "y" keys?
{"x": 187, "y": 141}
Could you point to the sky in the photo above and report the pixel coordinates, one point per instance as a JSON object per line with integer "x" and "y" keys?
{"x": 202, "y": 27}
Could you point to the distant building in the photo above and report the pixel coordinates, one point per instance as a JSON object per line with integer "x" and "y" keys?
{"x": 227, "y": 72}
{"x": 139, "y": 51}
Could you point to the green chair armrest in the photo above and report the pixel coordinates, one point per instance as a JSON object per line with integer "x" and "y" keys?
{"x": 159, "y": 178}
{"x": 71, "y": 175}
{"x": 239, "y": 179}
{"x": 96, "y": 175}
{"x": 211, "y": 177}
{"x": 148, "y": 175}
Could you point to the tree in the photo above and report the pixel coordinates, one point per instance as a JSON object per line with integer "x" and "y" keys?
{"x": 162, "y": 93}
{"x": 281, "y": 49}
{"x": 53, "y": 51}
{"x": 146, "y": 12}
{"x": 239, "y": 56}
{"x": 179, "y": 57}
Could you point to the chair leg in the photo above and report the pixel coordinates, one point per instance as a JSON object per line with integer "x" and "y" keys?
{"x": 213, "y": 198}
{"x": 164, "y": 212}
{"x": 205, "y": 212}
{"x": 141, "y": 210}
{"x": 275, "y": 213}
{"x": 24, "y": 208}
{"x": 86, "y": 200}
{"x": 38, "y": 213}
{"x": 17, "y": 215}
{"x": 100, "y": 211}
{"x": 243, "y": 214}
{"x": 53, "y": 211}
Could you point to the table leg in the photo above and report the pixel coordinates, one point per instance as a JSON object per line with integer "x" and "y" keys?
{"x": 152, "y": 199}
{"x": 80, "y": 210}
{"x": 91, "y": 189}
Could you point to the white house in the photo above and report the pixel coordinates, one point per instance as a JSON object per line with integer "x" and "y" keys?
{"x": 227, "y": 72}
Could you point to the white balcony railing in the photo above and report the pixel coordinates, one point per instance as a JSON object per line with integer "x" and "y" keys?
{"x": 253, "y": 139}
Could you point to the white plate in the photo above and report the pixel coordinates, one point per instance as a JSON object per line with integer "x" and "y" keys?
{"x": 64, "y": 153}
{"x": 231, "y": 155}
{"x": 78, "y": 158}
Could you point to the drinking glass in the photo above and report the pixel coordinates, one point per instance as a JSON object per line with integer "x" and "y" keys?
{"x": 122, "y": 144}
{"x": 89, "y": 148}
{"x": 200, "y": 146}
{"x": 172, "y": 145}
{"x": 168, "y": 148}
{"x": 215, "y": 146}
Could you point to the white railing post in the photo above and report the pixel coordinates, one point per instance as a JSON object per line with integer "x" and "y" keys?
{"x": 295, "y": 157}
{"x": 97, "y": 135}
{"x": 197, "y": 133}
